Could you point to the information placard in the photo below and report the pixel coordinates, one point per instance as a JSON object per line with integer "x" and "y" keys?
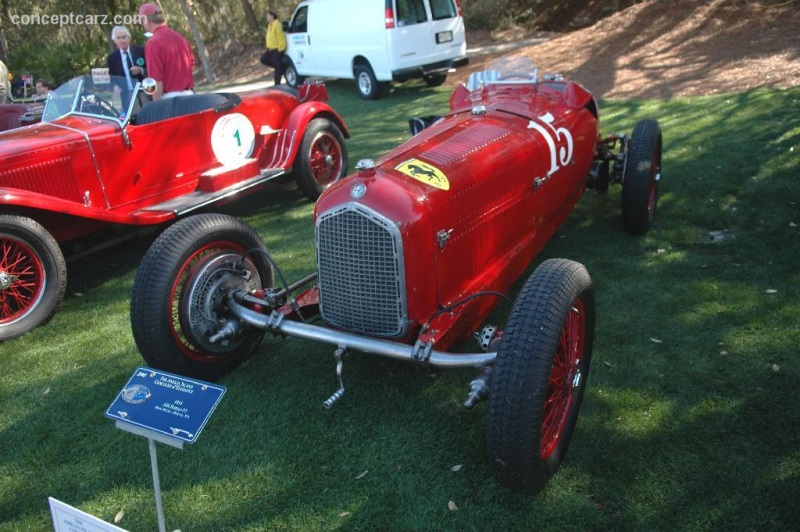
{"x": 168, "y": 404}
{"x": 69, "y": 519}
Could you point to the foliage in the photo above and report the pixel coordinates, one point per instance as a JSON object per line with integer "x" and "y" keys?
{"x": 59, "y": 51}
{"x": 691, "y": 418}
{"x": 74, "y": 57}
{"x": 80, "y": 40}
{"x": 548, "y": 15}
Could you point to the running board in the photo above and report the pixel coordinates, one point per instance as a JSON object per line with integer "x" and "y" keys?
{"x": 199, "y": 199}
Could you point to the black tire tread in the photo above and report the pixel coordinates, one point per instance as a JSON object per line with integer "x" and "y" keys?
{"x": 645, "y": 141}
{"x": 150, "y": 314}
{"x": 55, "y": 267}
{"x": 302, "y": 166}
{"x": 522, "y": 370}
{"x": 298, "y": 78}
{"x": 377, "y": 87}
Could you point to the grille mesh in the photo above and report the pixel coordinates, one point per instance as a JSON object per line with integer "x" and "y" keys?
{"x": 360, "y": 267}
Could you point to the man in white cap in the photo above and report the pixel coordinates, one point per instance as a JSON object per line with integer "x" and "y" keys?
{"x": 168, "y": 55}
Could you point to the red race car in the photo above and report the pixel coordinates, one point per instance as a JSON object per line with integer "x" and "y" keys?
{"x": 413, "y": 252}
{"x": 102, "y": 157}
{"x": 14, "y": 115}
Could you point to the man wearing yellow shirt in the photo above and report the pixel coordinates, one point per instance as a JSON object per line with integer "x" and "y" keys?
{"x": 276, "y": 46}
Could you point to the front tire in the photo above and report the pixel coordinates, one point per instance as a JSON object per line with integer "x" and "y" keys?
{"x": 322, "y": 159}
{"x": 293, "y": 79}
{"x": 540, "y": 375}
{"x": 178, "y": 295}
{"x": 366, "y": 83}
{"x": 641, "y": 177}
{"x": 33, "y": 276}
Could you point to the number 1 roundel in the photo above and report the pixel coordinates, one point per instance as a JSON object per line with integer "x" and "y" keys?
{"x": 233, "y": 139}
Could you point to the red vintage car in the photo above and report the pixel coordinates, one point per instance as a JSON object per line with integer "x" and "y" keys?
{"x": 413, "y": 252}
{"x": 14, "y": 115}
{"x": 102, "y": 157}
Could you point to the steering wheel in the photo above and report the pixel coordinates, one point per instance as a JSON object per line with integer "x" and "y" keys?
{"x": 94, "y": 104}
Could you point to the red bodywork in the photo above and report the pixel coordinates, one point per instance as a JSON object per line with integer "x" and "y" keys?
{"x": 516, "y": 161}
{"x": 14, "y": 115}
{"x": 415, "y": 249}
{"x": 80, "y": 173}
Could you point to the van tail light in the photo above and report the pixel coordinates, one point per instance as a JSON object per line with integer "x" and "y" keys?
{"x": 458, "y": 8}
{"x": 389, "y": 18}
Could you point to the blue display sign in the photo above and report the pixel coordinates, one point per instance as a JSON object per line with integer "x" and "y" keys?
{"x": 168, "y": 404}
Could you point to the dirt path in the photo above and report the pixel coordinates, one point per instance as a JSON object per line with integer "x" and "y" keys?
{"x": 656, "y": 49}
{"x": 669, "y": 48}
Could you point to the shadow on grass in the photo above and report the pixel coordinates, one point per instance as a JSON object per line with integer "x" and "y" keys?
{"x": 690, "y": 418}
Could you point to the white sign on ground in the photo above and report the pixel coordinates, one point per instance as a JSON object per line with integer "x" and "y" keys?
{"x": 69, "y": 519}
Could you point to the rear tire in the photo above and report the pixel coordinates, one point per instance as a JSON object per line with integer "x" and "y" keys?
{"x": 434, "y": 80}
{"x": 33, "y": 276}
{"x": 177, "y": 298}
{"x": 540, "y": 375}
{"x": 366, "y": 83}
{"x": 641, "y": 178}
{"x": 322, "y": 159}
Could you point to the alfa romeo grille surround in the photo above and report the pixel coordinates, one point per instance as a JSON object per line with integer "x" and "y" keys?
{"x": 361, "y": 271}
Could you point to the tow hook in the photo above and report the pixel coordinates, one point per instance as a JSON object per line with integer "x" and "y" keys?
{"x": 338, "y": 394}
{"x": 480, "y": 387}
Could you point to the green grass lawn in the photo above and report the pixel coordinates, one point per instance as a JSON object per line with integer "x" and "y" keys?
{"x": 690, "y": 421}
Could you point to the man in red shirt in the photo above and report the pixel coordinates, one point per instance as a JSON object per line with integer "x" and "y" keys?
{"x": 168, "y": 55}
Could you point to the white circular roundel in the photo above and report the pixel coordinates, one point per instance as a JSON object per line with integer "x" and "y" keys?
{"x": 233, "y": 139}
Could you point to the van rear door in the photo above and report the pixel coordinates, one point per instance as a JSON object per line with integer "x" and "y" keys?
{"x": 298, "y": 42}
{"x": 448, "y": 30}
{"x": 411, "y": 42}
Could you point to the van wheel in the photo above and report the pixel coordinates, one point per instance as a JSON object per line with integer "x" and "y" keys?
{"x": 368, "y": 87}
{"x": 434, "y": 80}
{"x": 293, "y": 79}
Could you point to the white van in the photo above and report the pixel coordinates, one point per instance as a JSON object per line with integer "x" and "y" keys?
{"x": 375, "y": 41}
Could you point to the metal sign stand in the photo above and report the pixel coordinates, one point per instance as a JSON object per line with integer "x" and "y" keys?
{"x": 165, "y": 408}
{"x": 152, "y": 437}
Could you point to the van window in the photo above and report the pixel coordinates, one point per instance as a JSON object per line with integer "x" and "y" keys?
{"x": 300, "y": 21}
{"x": 410, "y": 12}
{"x": 441, "y": 9}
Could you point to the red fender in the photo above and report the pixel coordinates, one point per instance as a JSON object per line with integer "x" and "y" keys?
{"x": 34, "y": 200}
{"x": 290, "y": 138}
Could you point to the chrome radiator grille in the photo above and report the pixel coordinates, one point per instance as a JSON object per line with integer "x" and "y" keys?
{"x": 361, "y": 274}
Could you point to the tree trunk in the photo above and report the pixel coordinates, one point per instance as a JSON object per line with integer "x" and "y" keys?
{"x": 250, "y": 15}
{"x": 201, "y": 45}
{"x": 3, "y": 48}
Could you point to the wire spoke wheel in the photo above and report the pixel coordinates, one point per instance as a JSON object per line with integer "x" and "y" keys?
{"x": 540, "y": 375}
{"x": 33, "y": 276}
{"x": 641, "y": 177}
{"x": 565, "y": 379}
{"x": 322, "y": 159}
{"x": 326, "y": 158}
{"x": 21, "y": 280}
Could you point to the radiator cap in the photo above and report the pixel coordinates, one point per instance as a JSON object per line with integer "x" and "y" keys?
{"x": 366, "y": 167}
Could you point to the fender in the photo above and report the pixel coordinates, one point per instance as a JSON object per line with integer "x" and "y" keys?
{"x": 296, "y": 125}
{"x": 12, "y": 197}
